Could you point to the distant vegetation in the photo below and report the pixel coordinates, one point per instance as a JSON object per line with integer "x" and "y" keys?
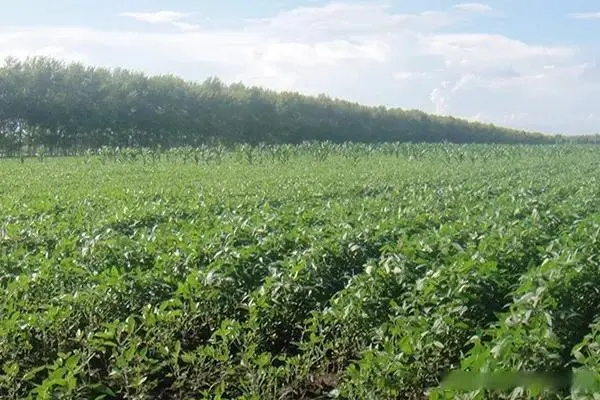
{"x": 45, "y": 102}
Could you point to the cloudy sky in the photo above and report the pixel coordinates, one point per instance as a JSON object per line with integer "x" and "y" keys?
{"x": 530, "y": 64}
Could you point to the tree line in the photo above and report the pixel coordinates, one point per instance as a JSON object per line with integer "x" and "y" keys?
{"x": 46, "y": 102}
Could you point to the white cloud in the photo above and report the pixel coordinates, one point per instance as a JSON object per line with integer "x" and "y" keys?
{"x": 174, "y": 18}
{"x": 474, "y": 7}
{"x": 439, "y": 100}
{"x": 48, "y": 51}
{"x": 365, "y": 52}
{"x": 347, "y": 20}
{"x": 518, "y": 116}
{"x": 465, "y": 79}
{"x": 405, "y": 75}
{"x": 488, "y": 49}
{"x": 585, "y": 15}
{"x": 184, "y": 26}
{"x": 156, "y": 17}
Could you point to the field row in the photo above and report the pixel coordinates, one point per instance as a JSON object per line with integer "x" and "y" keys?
{"x": 317, "y": 280}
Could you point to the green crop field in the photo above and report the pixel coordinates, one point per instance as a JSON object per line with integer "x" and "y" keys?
{"x": 300, "y": 272}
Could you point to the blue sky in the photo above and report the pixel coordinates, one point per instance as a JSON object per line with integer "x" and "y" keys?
{"x": 525, "y": 64}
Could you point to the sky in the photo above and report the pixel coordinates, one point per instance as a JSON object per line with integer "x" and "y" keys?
{"x": 526, "y": 64}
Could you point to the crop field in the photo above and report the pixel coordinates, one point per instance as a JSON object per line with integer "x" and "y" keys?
{"x": 301, "y": 272}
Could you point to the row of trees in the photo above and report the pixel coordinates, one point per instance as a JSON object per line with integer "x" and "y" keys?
{"x": 45, "y": 102}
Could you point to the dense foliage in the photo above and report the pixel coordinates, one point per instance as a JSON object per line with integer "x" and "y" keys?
{"x": 287, "y": 272}
{"x": 44, "y": 102}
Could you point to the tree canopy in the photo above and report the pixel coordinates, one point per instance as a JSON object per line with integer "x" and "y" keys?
{"x": 46, "y": 102}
